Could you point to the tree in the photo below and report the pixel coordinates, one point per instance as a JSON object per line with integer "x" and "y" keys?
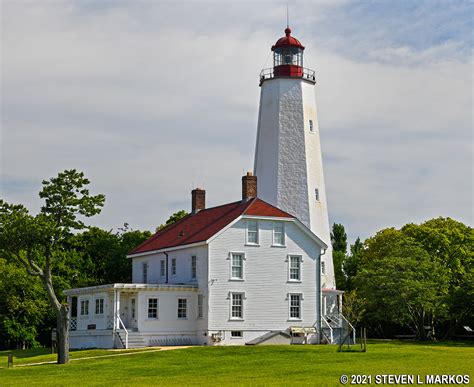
{"x": 450, "y": 244}
{"x": 172, "y": 219}
{"x": 339, "y": 246}
{"x": 351, "y": 264}
{"x": 400, "y": 282}
{"x": 38, "y": 242}
{"x": 354, "y": 307}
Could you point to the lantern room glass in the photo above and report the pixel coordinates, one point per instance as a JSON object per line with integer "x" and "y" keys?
{"x": 288, "y": 56}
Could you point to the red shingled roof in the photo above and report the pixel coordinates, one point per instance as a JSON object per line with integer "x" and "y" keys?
{"x": 204, "y": 224}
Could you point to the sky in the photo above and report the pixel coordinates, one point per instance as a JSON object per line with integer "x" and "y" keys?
{"x": 153, "y": 98}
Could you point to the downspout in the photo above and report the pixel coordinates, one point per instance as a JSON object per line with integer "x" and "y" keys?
{"x": 319, "y": 295}
{"x": 165, "y": 253}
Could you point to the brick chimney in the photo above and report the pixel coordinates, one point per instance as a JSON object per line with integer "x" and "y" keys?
{"x": 198, "y": 199}
{"x": 249, "y": 186}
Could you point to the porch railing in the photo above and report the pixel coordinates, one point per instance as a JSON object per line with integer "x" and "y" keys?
{"x": 330, "y": 329}
{"x": 120, "y": 323}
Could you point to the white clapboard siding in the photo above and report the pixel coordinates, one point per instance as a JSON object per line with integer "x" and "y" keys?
{"x": 266, "y": 286}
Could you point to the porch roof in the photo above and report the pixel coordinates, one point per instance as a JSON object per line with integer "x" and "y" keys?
{"x": 132, "y": 287}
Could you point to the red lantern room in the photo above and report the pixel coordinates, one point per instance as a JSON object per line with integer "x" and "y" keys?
{"x": 288, "y": 56}
{"x": 287, "y": 60}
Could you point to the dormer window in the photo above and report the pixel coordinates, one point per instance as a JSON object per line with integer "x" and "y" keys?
{"x": 252, "y": 232}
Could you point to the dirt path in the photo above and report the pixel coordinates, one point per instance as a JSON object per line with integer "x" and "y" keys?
{"x": 156, "y": 349}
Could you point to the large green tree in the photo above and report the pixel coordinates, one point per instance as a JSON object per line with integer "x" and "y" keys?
{"x": 401, "y": 283}
{"x": 38, "y": 241}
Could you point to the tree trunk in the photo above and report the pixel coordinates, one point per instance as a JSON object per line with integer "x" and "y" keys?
{"x": 62, "y": 318}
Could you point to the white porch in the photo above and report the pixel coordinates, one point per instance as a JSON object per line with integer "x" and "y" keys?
{"x": 118, "y": 315}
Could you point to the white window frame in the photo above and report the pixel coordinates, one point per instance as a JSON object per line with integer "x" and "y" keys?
{"x": 162, "y": 268}
{"x": 231, "y": 304}
{"x": 174, "y": 267}
{"x": 231, "y": 256}
{"x": 247, "y": 242}
{"x": 157, "y": 308}
{"x": 99, "y": 299}
{"x": 145, "y": 272}
{"x": 133, "y": 307}
{"x": 300, "y": 259}
{"x": 300, "y": 318}
{"x": 185, "y": 308}
{"x": 241, "y": 336}
{"x": 84, "y": 302}
{"x": 200, "y": 306}
{"x": 193, "y": 267}
{"x": 282, "y": 224}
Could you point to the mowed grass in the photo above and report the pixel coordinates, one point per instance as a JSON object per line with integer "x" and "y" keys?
{"x": 261, "y": 365}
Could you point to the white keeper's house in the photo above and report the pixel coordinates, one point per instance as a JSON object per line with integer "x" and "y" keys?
{"x": 255, "y": 271}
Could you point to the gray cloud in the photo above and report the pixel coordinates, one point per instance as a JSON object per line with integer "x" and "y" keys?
{"x": 151, "y": 99}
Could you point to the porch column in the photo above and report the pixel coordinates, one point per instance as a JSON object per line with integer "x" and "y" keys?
{"x": 114, "y": 319}
{"x": 117, "y": 309}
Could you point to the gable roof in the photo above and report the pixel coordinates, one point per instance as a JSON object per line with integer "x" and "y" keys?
{"x": 201, "y": 226}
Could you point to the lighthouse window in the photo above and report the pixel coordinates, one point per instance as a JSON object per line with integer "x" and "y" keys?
{"x": 311, "y": 128}
{"x": 316, "y": 194}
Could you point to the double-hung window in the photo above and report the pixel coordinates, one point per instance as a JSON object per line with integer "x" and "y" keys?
{"x": 237, "y": 266}
{"x": 84, "y": 307}
{"x": 278, "y": 233}
{"x": 193, "y": 267}
{"x": 252, "y": 232}
{"x": 162, "y": 268}
{"x": 295, "y": 268}
{"x": 200, "y": 306}
{"x": 173, "y": 266}
{"x": 295, "y": 306}
{"x": 182, "y": 308}
{"x": 237, "y": 306}
{"x": 99, "y": 306}
{"x": 153, "y": 308}
{"x": 145, "y": 272}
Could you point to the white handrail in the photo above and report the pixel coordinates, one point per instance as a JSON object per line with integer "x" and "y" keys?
{"x": 125, "y": 329}
{"x": 353, "y": 329}
{"x": 330, "y": 328}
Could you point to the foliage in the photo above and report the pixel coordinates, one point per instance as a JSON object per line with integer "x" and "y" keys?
{"x": 172, "y": 219}
{"x": 351, "y": 264}
{"x": 401, "y": 283}
{"x": 339, "y": 238}
{"x": 354, "y": 307}
{"x": 38, "y": 242}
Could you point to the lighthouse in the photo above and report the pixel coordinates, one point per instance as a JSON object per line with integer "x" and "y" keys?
{"x": 288, "y": 160}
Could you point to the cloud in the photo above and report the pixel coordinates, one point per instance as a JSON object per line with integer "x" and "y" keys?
{"x": 151, "y": 99}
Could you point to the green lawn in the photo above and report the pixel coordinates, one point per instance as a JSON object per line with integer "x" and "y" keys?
{"x": 263, "y": 365}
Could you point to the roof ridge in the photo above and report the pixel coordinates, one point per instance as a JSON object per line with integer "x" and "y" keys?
{"x": 268, "y": 204}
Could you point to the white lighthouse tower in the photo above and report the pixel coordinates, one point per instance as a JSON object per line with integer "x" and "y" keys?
{"x": 288, "y": 160}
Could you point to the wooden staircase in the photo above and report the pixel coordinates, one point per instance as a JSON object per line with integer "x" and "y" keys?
{"x": 135, "y": 340}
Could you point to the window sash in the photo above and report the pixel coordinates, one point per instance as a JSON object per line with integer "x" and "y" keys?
{"x": 237, "y": 266}
{"x": 162, "y": 268}
{"x": 200, "y": 305}
{"x": 193, "y": 267}
{"x": 153, "y": 308}
{"x": 278, "y": 234}
{"x": 237, "y": 305}
{"x": 99, "y": 306}
{"x": 295, "y": 306}
{"x": 145, "y": 272}
{"x": 173, "y": 266}
{"x": 252, "y": 232}
{"x": 84, "y": 307}
{"x": 295, "y": 268}
{"x": 182, "y": 307}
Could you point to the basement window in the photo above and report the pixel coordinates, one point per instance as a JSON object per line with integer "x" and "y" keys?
{"x": 236, "y": 334}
